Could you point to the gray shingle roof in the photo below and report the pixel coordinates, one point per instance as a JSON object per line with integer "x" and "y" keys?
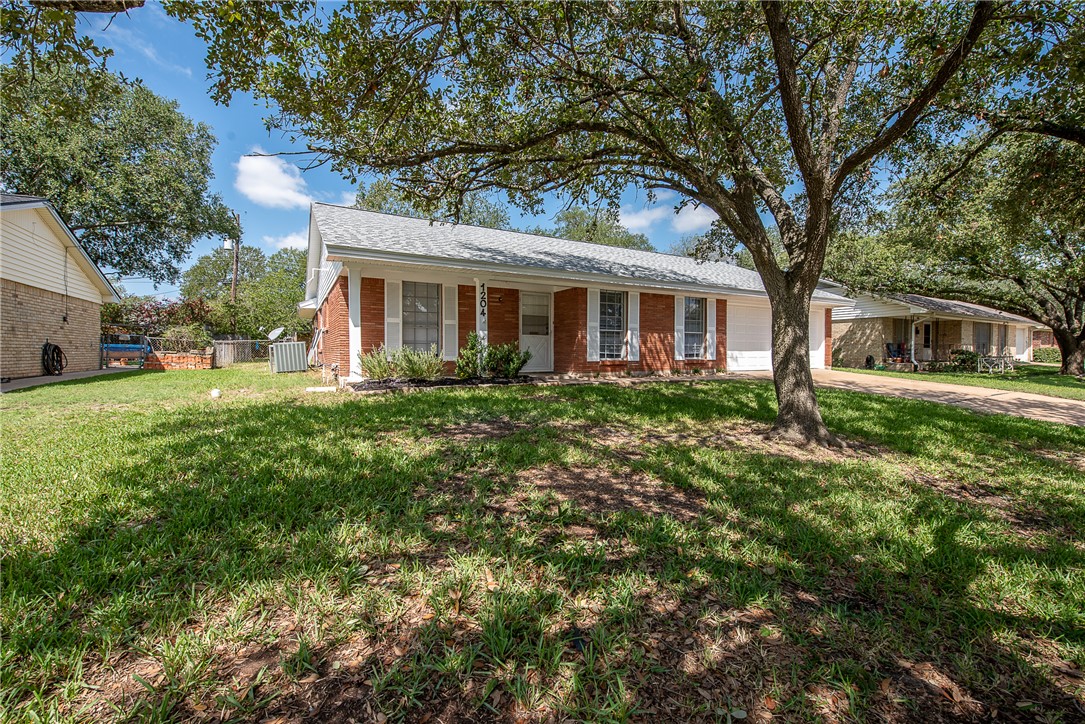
{"x": 961, "y": 309}
{"x": 367, "y": 231}
{"x": 17, "y": 199}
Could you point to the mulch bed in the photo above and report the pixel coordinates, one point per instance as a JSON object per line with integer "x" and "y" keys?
{"x": 413, "y": 384}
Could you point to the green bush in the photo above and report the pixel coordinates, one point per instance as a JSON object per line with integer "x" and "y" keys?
{"x": 479, "y": 360}
{"x": 505, "y": 360}
{"x": 418, "y": 365}
{"x": 376, "y": 365}
{"x": 963, "y": 360}
{"x": 469, "y": 363}
{"x": 1047, "y": 354}
{"x": 188, "y": 336}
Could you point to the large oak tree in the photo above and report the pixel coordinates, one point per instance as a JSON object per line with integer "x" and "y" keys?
{"x": 769, "y": 113}
{"x": 125, "y": 168}
{"x": 1007, "y": 231}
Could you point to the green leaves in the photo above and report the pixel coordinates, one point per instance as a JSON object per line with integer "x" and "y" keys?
{"x": 125, "y": 169}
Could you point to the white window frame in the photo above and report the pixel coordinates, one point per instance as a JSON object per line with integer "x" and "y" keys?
{"x": 405, "y": 313}
{"x": 699, "y": 351}
{"x": 619, "y": 335}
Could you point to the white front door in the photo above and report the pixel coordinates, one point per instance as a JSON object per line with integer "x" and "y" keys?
{"x": 535, "y": 331}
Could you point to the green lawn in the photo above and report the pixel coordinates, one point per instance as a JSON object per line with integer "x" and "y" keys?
{"x": 1038, "y": 379}
{"x": 530, "y": 554}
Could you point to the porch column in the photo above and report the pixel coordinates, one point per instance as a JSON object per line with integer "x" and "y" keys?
{"x": 354, "y": 328}
{"x": 482, "y": 316}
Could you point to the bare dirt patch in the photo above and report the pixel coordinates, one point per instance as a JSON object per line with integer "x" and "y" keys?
{"x": 599, "y": 490}
{"x": 721, "y": 434}
{"x": 493, "y": 429}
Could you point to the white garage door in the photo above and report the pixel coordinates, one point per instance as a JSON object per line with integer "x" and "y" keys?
{"x": 749, "y": 336}
{"x": 817, "y": 338}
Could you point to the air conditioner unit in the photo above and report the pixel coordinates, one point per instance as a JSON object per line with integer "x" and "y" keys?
{"x": 288, "y": 357}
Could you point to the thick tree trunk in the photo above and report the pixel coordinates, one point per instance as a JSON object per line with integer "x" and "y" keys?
{"x": 798, "y": 419}
{"x": 1073, "y": 353}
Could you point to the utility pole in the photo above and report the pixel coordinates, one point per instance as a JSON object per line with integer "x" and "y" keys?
{"x": 237, "y": 259}
{"x": 233, "y": 281}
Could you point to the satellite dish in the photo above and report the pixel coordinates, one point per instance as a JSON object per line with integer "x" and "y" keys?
{"x": 275, "y": 333}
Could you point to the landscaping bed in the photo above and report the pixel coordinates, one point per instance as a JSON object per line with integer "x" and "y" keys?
{"x": 417, "y": 383}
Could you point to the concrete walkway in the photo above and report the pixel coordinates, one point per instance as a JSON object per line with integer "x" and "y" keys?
{"x": 23, "y": 382}
{"x": 979, "y": 399}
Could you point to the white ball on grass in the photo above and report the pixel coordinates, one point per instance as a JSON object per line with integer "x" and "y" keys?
{"x": 216, "y": 393}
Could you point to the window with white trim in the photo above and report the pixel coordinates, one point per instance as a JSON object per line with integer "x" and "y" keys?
{"x": 421, "y": 315}
{"x": 695, "y": 327}
{"x": 612, "y": 321}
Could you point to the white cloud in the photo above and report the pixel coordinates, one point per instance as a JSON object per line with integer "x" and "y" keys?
{"x": 693, "y": 219}
{"x": 270, "y": 181}
{"x": 297, "y": 240}
{"x": 644, "y": 219}
{"x": 119, "y": 36}
{"x": 347, "y": 198}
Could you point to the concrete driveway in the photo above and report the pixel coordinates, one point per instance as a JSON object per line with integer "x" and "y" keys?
{"x": 980, "y": 399}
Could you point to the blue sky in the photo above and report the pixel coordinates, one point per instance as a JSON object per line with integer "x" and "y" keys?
{"x": 271, "y": 194}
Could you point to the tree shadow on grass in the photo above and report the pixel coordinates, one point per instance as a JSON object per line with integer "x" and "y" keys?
{"x": 230, "y": 511}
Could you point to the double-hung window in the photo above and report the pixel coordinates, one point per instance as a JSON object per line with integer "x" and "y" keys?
{"x": 421, "y": 315}
{"x": 695, "y": 327}
{"x": 612, "y": 324}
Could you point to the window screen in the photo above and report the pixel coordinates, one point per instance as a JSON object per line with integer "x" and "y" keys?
{"x": 421, "y": 315}
{"x": 611, "y": 324}
{"x": 695, "y": 327}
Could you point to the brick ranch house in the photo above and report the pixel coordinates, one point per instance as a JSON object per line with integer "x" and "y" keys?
{"x": 51, "y": 290}
{"x": 580, "y": 308}
{"x": 902, "y": 325}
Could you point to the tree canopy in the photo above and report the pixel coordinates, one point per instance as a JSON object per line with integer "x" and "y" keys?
{"x": 268, "y": 290}
{"x": 775, "y": 112}
{"x": 598, "y": 226}
{"x": 1008, "y": 231}
{"x": 384, "y": 196}
{"x": 124, "y": 167}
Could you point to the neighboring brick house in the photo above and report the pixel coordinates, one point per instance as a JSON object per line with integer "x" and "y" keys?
{"x": 1043, "y": 338}
{"x": 907, "y": 327}
{"x": 379, "y": 279}
{"x": 51, "y": 290}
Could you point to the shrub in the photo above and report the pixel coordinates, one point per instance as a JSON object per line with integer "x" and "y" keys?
{"x": 418, "y": 365}
{"x": 469, "y": 363}
{"x": 505, "y": 360}
{"x": 376, "y": 365}
{"x": 963, "y": 360}
{"x": 1047, "y": 354}
{"x": 480, "y": 360}
{"x": 189, "y": 336}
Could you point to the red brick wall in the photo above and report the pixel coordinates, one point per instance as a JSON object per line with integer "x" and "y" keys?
{"x": 503, "y": 315}
{"x": 828, "y": 338}
{"x": 1042, "y": 338}
{"x": 570, "y": 329}
{"x": 334, "y": 318}
{"x": 372, "y": 313}
{"x": 177, "y": 361}
{"x": 466, "y": 313}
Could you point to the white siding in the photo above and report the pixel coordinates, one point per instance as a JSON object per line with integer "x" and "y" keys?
{"x": 817, "y": 338}
{"x": 33, "y": 253}
{"x": 329, "y": 275}
{"x": 867, "y": 307}
{"x": 749, "y": 336}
